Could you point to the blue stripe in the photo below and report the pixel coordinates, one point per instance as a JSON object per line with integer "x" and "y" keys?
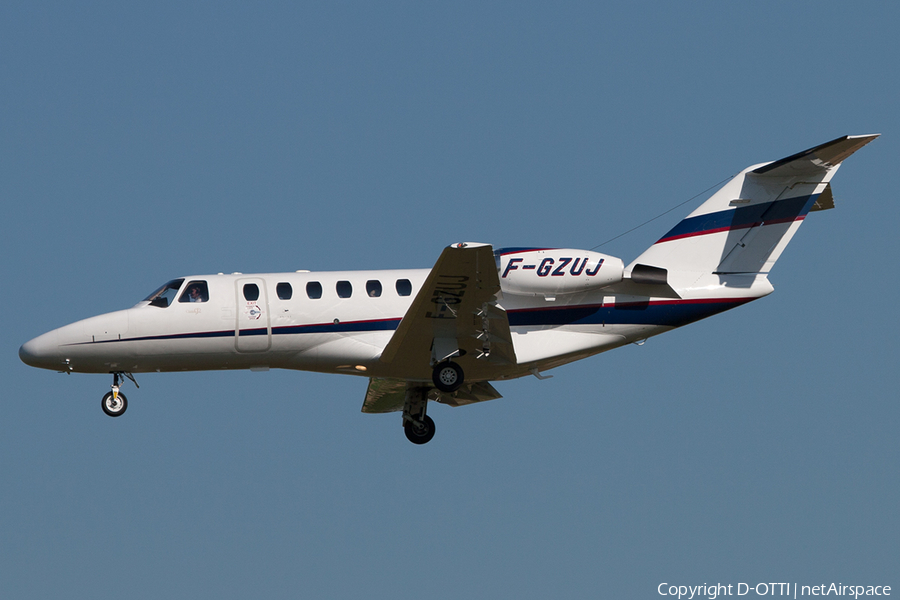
{"x": 177, "y": 336}
{"x": 671, "y": 313}
{"x": 517, "y": 250}
{"x": 744, "y": 217}
{"x": 251, "y": 332}
{"x": 349, "y": 327}
{"x": 674, "y": 313}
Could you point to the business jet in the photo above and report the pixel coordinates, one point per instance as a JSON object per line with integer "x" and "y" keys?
{"x": 480, "y": 315}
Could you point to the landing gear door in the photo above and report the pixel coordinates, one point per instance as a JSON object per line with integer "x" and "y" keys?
{"x": 253, "y": 332}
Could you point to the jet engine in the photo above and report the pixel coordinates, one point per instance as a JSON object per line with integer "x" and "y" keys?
{"x": 554, "y": 271}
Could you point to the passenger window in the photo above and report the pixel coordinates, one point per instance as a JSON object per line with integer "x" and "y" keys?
{"x": 404, "y": 287}
{"x": 314, "y": 290}
{"x": 251, "y": 292}
{"x": 373, "y": 288}
{"x": 284, "y": 291}
{"x": 344, "y": 289}
{"x": 196, "y": 291}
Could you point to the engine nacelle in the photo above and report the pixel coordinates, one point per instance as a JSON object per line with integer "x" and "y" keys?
{"x": 554, "y": 271}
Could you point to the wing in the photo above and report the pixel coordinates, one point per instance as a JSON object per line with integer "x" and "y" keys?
{"x": 454, "y": 315}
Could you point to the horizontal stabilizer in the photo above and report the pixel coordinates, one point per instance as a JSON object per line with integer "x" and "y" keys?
{"x": 816, "y": 160}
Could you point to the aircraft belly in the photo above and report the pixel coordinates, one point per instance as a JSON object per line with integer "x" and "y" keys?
{"x": 341, "y": 353}
{"x": 533, "y": 345}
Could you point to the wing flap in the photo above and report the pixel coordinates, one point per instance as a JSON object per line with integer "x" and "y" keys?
{"x": 384, "y": 396}
{"x": 470, "y": 393}
{"x": 389, "y": 395}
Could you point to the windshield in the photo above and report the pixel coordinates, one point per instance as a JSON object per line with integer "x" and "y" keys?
{"x": 164, "y": 296}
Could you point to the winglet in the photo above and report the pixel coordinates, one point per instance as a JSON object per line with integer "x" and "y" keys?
{"x": 817, "y": 159}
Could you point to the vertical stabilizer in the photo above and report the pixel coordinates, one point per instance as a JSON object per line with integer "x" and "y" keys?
{"x": 744, "y": 227}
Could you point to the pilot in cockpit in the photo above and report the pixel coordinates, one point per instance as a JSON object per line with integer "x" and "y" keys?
{"x": 196, "y": 292}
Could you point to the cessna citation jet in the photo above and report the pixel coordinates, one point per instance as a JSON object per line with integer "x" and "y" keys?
{"x": 479, "y": 315}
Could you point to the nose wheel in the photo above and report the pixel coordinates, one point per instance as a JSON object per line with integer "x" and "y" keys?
{"x": 115, "y": 403}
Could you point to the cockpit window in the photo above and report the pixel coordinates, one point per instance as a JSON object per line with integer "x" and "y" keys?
{"x": 165, "y": 295}
{"x": 196, "y": 291}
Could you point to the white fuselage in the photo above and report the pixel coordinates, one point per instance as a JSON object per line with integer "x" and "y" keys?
{"x": 287, "y": 326}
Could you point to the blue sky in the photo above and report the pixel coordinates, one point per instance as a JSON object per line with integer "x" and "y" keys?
{"x": 142, "y": 143}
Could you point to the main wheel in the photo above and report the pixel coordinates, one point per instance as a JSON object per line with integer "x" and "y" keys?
{"x": 447, "y": 376}
{"x": 114, "y": 408}
{"x": 419, "y": 433}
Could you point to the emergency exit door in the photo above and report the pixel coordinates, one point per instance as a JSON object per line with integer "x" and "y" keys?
{"x": 253, "y": 332}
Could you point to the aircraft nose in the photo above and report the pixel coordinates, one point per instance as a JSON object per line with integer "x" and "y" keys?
{"x": 42, "y": 352}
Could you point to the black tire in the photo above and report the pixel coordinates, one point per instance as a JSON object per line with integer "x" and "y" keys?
{"x": 419, "y": 433}
{"x": 114, "y": 410}
{"x": 447, "y": 376}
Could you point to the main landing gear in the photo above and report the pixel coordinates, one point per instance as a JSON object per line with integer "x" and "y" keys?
{"x": 418, "y": 426}
{"x": 447, "y": 376}
{"x": 419, "y": 432}
{"x": 115, "y": 403}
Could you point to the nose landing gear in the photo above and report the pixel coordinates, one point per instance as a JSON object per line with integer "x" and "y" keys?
{"x": 115, "y": 403}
